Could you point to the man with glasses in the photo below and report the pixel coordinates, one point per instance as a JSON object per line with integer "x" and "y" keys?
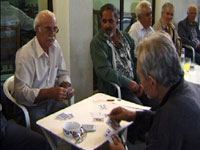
{"x": 189, "y": 32}
{"x": 165, "y": 24}
{"x": 39, "y": 65}
{"x": 143, "y": 26}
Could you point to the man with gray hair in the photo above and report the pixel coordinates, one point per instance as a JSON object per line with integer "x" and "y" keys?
{"x": 39, "y": 64}
{"x": 143, "y": 26}
{"x": 189, "y": 32}
{"x": 175, "y": 124}
{"x": 165, "y": 24}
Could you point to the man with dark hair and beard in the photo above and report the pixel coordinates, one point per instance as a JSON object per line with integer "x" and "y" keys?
{"x": 112, "y": 53}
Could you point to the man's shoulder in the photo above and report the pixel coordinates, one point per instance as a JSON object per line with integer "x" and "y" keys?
{"x": 135, "y": 26}
{"x": 158, "y": 25}
{"x": 183, "y": 22}
{"x": 98, "y": 38}
{"x": 26, "y": 51}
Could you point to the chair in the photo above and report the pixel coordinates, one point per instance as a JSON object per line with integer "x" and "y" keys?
{"x": 190, "y": 48}
{"x": 8, "y": 88}
{"x": 118, "y": 89}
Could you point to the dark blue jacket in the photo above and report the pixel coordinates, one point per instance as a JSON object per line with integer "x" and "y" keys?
{"x": 176, "y": 123}
{"x": 184, "y": 31}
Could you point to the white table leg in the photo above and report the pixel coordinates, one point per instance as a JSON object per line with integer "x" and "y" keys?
{"x": 49, "y": 139}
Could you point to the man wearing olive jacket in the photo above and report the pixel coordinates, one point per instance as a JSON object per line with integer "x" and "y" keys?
{"x": 113, "y": 57}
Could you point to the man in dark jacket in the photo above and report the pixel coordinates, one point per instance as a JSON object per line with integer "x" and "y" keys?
{"x": 189, "y": 32}
{"x": 113, "y": 57}
{"x": 175, "y": 124}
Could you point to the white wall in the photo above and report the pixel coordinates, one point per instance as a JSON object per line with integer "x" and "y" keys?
{"x": 42, "y": 5}
{"x": 74, "y": 19}
{"x": 181, "y": 8}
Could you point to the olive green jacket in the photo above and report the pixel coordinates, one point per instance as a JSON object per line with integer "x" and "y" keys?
{"x": 102, "y": 58}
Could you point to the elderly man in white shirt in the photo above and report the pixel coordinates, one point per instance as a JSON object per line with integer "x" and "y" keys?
{"x": 143, "y": 26}
{"x": 39, "y": 64}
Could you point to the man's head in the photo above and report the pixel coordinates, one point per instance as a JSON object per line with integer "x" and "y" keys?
{"x": 158, "y": 64}
{"x": 109, "y": 19}
{"x": 167, "y": 12}
{"x": 192, "y": 12}
{"x": 144, "y": 13}
{"x": 46, "y": 28}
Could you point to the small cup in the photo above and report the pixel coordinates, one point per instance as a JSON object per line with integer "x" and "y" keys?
{"x": 74, "y": 130}
{"x": 71, "y": 129}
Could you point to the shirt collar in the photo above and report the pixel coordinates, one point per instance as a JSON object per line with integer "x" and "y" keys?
{"x": 141, "y": 27}
{"x": 117, "y": 32}
{"x": 166, "y": 97}
{"x": 39, "y": 49}
{"x": 164, "y": 26}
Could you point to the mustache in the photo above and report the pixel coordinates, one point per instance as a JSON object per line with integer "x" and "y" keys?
{"x": 51, "y": 38}
{"x": 108, "y": 29}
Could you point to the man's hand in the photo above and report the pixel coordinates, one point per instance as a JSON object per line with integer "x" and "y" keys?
{"x": 198, "y": 48}
{"x": 134, "y": 86}
{"x": 117, "y": 144}
{"x": 120, "y": 113}
{"x": 56, "y": 93}
{"x": 70, "y": 92}
{"x": 140, "y": 90}
{"x": 65, "y": 84}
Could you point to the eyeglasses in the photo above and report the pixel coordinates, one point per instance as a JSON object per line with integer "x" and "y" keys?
{"x": 50, "y": 29}
{"x": 148, "y": 14}
{"x": 169, "y": 14}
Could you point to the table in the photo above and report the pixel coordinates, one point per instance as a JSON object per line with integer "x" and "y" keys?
{"x": 193, "y": 75}
{"x": 82, "y": 114}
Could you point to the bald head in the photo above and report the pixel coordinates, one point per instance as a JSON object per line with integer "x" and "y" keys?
{"x": 192, "y": 12}
{"x": 43, "y": 16}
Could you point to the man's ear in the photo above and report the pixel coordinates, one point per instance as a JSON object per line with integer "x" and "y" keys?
{"x": 37, "y": 29}
{"x": 152, "y": 81}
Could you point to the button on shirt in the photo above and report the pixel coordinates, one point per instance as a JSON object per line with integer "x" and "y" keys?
{"x": 35, "y": 70}
{"x": 137, "y": 32}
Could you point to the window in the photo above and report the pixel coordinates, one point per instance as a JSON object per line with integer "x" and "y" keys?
{"x": 17, "y": 18}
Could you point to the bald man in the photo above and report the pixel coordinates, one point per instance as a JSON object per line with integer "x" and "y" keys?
{"x": 189, "y": 32}
{"x": 39, "y": 64}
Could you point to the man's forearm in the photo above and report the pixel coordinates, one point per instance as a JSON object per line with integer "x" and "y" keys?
{"x": 43, "y": 95}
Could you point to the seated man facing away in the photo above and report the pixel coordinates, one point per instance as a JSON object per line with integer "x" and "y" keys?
{"x": 39, "y": 64}
{"x": 175, "y": 124}
{"x": 165, "y": 24}
{"x": 113, "y": 57}
{"x": 143, "y": 26}
{"x": 189, "y": 32}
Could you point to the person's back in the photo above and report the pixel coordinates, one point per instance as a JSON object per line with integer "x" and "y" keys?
{"x": 179, "y": 117}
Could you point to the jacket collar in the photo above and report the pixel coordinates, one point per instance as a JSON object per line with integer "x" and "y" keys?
{"x": 172, "y": 89}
